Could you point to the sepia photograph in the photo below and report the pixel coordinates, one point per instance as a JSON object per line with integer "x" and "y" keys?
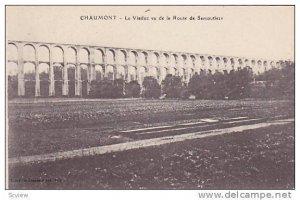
{"x": 150, "y": 97}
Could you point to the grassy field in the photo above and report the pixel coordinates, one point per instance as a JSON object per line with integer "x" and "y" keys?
{"x": 261, "y": 159}
{"x": 256, "y": 159}
{"x": 36, "y": 128}
{"x": 82, "y": 114}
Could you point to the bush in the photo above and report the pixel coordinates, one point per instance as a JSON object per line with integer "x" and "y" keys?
{"x": 233, "y": 85}
{"x": 71, "y": 84}
{"x": 12, "y": 87}
{"x": 107, "y": 88}
{"x": 44, "y": 88}
{"x": 29, "y": 88}
{"x": 184, "y": 93}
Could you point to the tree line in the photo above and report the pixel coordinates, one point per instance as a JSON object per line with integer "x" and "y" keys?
{"x": 235, "y": 84}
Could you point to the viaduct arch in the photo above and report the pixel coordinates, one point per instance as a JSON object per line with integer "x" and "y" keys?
{"x": 81, "y": 64}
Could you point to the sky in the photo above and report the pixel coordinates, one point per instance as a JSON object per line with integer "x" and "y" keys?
{"x": 265, "y": 32}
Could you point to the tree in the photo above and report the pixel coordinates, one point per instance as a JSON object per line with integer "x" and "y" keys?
{"x": 243, "y": 78}
{"x": 132, "y": 89}
{"x": 118, "y": 88}
{"x": 287, "y": 80}
{"x": 280, "y": 82}
{"x": 201, "y": 85}
{"x": 172, "y": 86}
{"x": 219, "y": 85}
{"x": 151, "y": 87}
{"x": 238, "y": 83}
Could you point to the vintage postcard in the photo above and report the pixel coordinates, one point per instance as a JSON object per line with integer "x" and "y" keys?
{"x": 150, "y": 97}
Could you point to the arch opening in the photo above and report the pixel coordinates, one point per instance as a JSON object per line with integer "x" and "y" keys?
{"x": 29, "y": 78}
{"x": 84, "y": 56}
{"x": 58, "y": 54}
{"x": 58, "y": 78}
{"x": 99, "y": 56}
{"x": 122, "y": 57}
{"x": 110, "y": 72}
{"x": 12, "y": 52}
{"x": 84, "y": 79}
{"x": 132, "y": 73}
{"x": 121, "y": 72}
{"x": 110, "y": 56}
{"x": 28, "y": 53}
{"x": 44, "y": 79}
{"x": 71, "y": 79}
{"x": 99, "y": 72}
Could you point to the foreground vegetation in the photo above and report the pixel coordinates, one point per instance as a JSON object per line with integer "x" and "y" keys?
{"x": 260, "y": 159}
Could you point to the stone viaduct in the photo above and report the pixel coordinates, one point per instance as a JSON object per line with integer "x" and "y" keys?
{"x": 111, "y": 62}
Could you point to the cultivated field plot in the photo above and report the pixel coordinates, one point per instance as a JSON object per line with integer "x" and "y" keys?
{"x": 259, "y": 155}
